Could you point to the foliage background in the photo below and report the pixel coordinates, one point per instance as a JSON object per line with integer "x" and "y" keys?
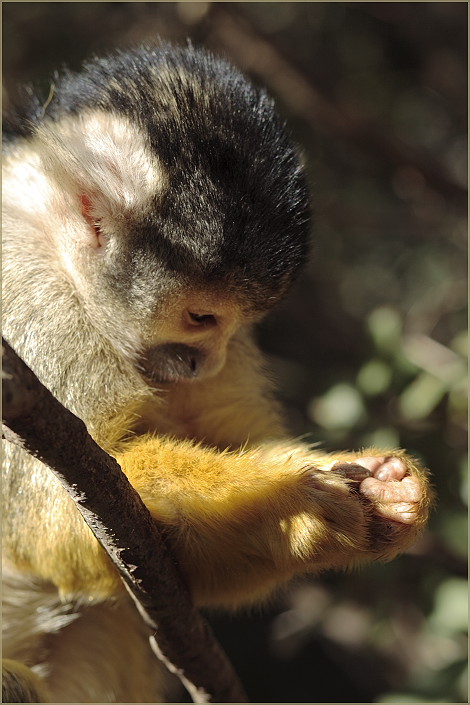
{"x": 371, "y": 346}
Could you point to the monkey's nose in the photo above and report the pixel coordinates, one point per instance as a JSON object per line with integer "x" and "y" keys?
{"x": 172, "y": 362}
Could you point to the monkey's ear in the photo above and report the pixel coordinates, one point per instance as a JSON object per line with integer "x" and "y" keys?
{"x": 93, "y": 220}
{"x": 103, "y": 158}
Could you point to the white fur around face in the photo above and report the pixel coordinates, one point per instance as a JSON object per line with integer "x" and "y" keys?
{"x": 24, "y": 185}
{"x": 101, "y": 156}
{"x": 105, "y": 154}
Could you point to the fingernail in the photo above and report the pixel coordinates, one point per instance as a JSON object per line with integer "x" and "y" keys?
{"x": 383, "y": 475}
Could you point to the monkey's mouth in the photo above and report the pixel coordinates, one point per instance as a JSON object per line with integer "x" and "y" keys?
{"x": 170, "y": 363}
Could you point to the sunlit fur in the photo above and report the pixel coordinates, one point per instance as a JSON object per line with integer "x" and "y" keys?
{"x": 151, "y": 216}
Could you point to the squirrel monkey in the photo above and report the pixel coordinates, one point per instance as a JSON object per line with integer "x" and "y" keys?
{"x": 153, "y": 211}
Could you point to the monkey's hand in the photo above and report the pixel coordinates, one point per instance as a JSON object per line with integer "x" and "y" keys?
{"x": 385, "y": 482}
{"x": 395, "y": 489}
{"x": 241, "y": 523}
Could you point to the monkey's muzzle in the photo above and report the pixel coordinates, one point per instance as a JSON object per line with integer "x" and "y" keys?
{"x": 171, "y": 362}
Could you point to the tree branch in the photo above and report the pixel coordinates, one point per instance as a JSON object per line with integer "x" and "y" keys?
{"x": 36, "y": 421}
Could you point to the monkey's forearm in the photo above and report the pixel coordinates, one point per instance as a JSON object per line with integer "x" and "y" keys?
{"x": 242, "y": 523}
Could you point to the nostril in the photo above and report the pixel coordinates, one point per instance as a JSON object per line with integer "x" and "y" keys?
{"x": 202, "y": 319}
{"x": 193, "y": 365}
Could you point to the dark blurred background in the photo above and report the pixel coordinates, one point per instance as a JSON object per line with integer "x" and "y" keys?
{"x": 371, "y": 346}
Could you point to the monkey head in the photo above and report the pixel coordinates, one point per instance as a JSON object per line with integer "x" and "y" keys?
{"x": 176, "y": 201}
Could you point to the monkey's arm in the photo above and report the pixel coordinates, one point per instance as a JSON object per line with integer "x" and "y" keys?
{"x": 241, "y": 523}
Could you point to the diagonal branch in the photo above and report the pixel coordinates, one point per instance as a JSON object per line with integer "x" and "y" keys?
{"x": 38, "y": 422}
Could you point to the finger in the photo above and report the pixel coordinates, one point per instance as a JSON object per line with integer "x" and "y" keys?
{"x": 371, "y": 463}
{"x": 353, "y": 471}
{"x": 406, "y": 490}
{"x": 391, "y": 469}
{"x": 403, "y": 512}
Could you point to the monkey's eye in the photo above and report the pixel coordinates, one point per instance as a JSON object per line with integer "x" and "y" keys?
{"x": 202, "y": 319}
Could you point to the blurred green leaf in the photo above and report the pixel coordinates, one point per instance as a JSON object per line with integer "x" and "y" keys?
{"x": 459, "y": 343}
{"x": 421, "y": 396}
{"x": 374, "y": 377}
{"x": 451, "y": 606}
{"x": 453, "y": 528}
{"x": 458, "y": 403}
{"x": 341, "y": 407}
{"x": 382, "y": 438}
{"x": 385, "y": 326}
